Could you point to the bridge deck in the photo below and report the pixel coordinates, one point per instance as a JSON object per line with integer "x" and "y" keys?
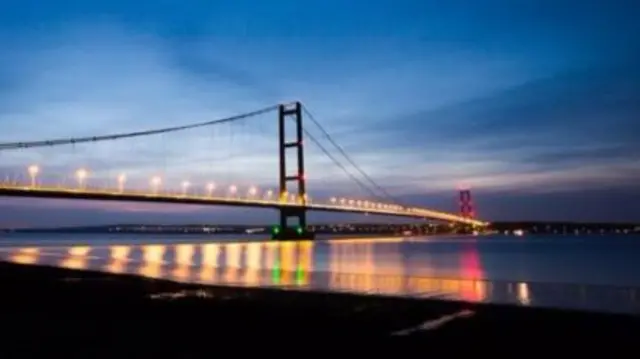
{"x": 133, "y": 196}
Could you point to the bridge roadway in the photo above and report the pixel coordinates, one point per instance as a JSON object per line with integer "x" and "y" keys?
{"x": 133, "y": 196}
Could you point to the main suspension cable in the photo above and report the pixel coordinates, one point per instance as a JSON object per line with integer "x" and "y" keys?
{"x": 66, "y": 141}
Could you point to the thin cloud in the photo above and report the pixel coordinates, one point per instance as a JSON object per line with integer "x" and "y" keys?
{"x": 528, "y": 127}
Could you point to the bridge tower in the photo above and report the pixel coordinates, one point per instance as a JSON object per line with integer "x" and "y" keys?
{"x": 466, "y": 205}
{"x": 292, "y": 113}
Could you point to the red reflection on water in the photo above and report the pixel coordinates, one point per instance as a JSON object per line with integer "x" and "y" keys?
{"x": 472, "y": 288}
{"x": 470, "y": 263}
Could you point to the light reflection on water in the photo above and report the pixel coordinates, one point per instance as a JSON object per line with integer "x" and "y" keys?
{"x": 382, "y": 266}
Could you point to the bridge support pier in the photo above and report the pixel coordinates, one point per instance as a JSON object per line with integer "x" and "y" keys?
{"x": 285, "y": 230}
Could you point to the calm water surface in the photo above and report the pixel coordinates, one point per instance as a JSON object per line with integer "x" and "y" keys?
{"x": 594, "y": 272}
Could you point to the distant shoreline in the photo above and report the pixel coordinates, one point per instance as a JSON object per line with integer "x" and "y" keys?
{"x": 344, "y": 229}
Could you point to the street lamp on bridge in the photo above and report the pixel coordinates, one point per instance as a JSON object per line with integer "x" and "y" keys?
{"x": 81, "y": 176}
{"x": 284, "y": 196}
{"x": 155, "y": 184}
{"x": 185, "y": 187}
{"x": 122, "y": 178}
{"x": 210, "y": 187}
{"x": 33, "y": 173}
{"x": 233, "y": 189}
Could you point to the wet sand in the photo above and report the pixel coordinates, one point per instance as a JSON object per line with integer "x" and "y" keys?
{"x": 52, "y": 311}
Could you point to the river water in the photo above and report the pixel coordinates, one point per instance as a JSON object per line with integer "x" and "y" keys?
{"x": 586, "y": 272}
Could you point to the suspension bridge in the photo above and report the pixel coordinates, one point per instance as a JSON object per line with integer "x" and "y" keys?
{"x": 87, "y": 170}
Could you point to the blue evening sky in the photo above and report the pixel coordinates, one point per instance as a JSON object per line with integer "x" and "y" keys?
{"x": 534, "y": 104}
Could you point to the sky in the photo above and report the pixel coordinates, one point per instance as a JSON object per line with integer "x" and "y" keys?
{"x": 534, "y": 105}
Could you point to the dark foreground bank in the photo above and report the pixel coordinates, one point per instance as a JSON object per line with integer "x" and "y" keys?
{"x": 46, "y": 311}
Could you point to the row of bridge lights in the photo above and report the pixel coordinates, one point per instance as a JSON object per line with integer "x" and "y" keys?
{"x": 364, "y": 204}
{"x": 156, "y": 182}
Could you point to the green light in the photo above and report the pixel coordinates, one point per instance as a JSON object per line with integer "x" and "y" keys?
{"x": 275, "y": 229}
{"x": 276, "y": 273}
{"x": 299, "y": 230}
{"x": 299, "y": 275}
